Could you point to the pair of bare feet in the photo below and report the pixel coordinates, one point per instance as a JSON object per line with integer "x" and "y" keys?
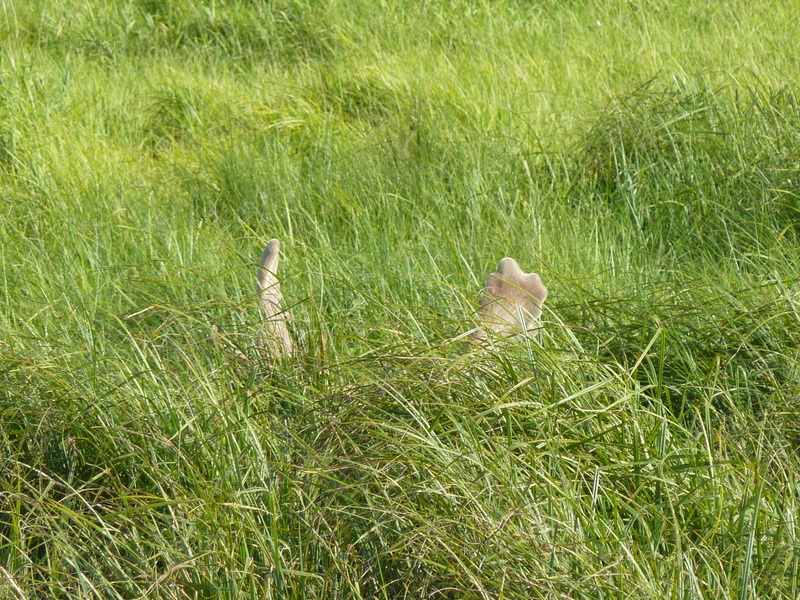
{"x": 511, "y": 304}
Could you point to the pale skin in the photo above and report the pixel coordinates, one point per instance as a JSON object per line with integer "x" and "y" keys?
{"x": 512, "y": 301}
{"x": 511, "y": 305}
{"x": 275, "y": 332}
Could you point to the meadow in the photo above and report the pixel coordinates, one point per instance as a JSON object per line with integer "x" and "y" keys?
{"x": 642, "y": 156}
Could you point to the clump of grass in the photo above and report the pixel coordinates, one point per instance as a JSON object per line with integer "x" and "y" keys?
{"x": 398, "y": 474}
{"x": 170, "y": 114}
{"x": 697, "y": 170}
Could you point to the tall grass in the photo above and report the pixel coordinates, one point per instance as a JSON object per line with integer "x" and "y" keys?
{"x": 642, "y": 158}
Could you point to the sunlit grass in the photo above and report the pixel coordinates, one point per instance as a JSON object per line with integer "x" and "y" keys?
{"x": 641, "y": 158}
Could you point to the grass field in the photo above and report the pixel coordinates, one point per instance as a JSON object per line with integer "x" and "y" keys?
{"x": 643, "y": 156}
